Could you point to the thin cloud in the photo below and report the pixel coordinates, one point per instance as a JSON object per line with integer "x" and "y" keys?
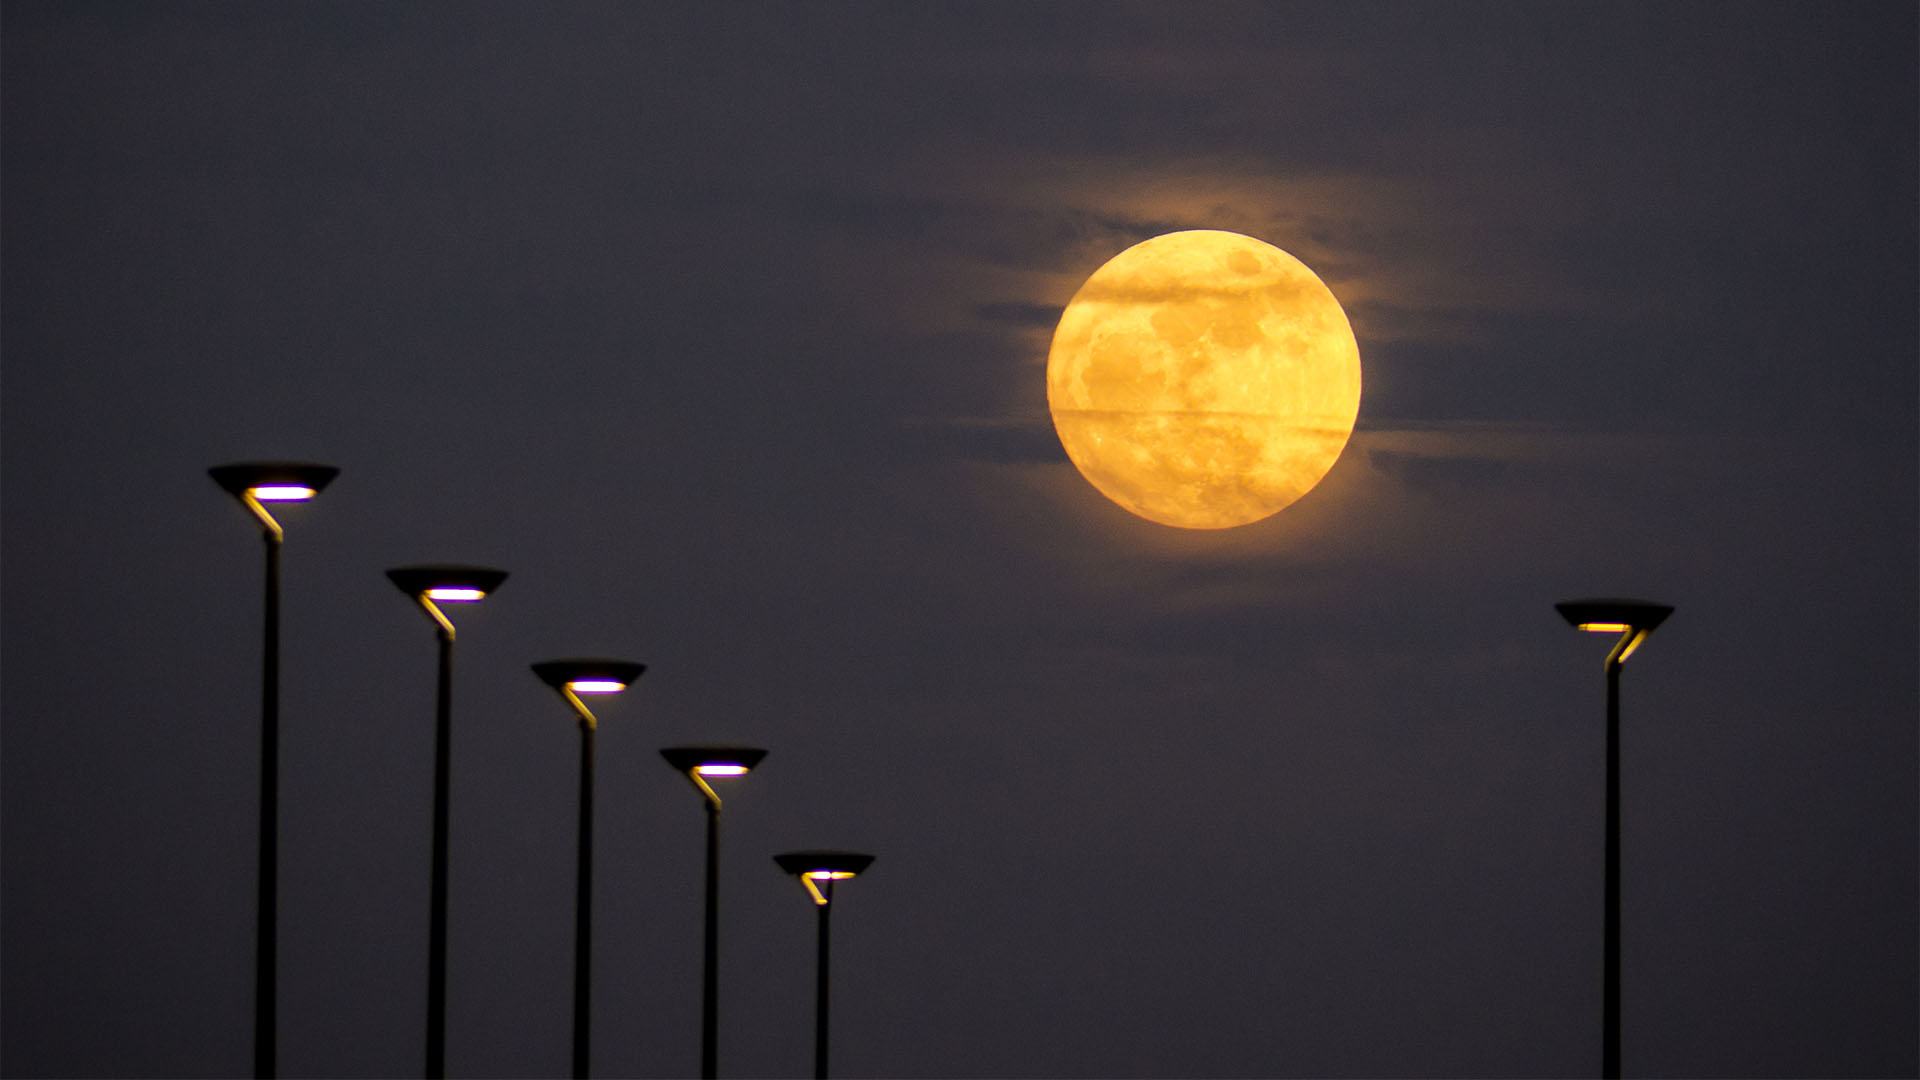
{"x": 1463, "y": 500}
{"x": 1015, "y": 313}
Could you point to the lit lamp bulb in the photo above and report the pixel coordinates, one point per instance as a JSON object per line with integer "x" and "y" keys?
{"x": 282, "y": 492}
{"x": 596, "y": 686}
{"x": 456, "y": 594}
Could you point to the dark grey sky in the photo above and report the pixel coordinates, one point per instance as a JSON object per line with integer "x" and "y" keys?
{"x": 722, "y": 327}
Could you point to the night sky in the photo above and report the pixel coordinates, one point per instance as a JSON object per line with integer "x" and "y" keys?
{"x": 722, "y": 327}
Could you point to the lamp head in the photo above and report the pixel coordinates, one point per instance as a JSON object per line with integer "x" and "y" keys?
{"x": 1633, "y": 620}
{"x": 818, "y": 870}
{"x": 701, "y": 762}
{"x": 256, "y": 483}
{"x": 713, "y": 760}
{"x": 273, "y": 481}
{"x": 435, "y": 585}
{"x": 595, "y": 676}
{"x": 444, "y": 583}
{"x": 1614, "y": 616}
{"x": 598, "y": 676}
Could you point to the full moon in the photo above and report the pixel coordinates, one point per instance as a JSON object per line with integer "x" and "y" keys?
{"x": 1203, "y": 379}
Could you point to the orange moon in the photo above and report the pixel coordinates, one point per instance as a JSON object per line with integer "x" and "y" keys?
{"x": 1203, "y": 379}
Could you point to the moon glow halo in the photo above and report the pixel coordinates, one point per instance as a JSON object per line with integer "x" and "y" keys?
{"x": 1203, "y": 379}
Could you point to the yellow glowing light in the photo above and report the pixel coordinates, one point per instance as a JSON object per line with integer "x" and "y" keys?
{"x": 447, "y": 592}
{"x": 1203, "y": 379}
{"x": 282, "y": 492}
{"x": 596, "y": 686}
{"x": 810, "y": 877}
{"x": 1605, "y": 627}
{"x": 721, "y": 769}
{"x": 1633, "y": 644}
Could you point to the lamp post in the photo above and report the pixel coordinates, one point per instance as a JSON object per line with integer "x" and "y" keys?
{"x": 432, "y": 586}
{"x": 1633, "y": 620}
{"x": 573, "y": 678}
{"x": 256, "y": 483}
{"x": 818, "y": 870}
{"x": 699, "y": 763}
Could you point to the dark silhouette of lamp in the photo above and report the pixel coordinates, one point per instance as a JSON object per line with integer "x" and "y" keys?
{"x": 431, "y": 586}
{"x": 255, "y": 484}
{"x": 572, "y": 678}
{"x": 818, "y": 870}
{"x": 1633, "y": 620}
{"x": 701, "y": 764}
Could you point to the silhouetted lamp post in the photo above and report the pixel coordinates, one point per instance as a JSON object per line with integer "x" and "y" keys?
{"x": 256, "y": 483}
{"x": 432, "y": 586}
{"x": 818, "y": 870}
{"x": 700, "y": 763}
{"x": 1633, "y": 620}
{"x": 573, "y": 678}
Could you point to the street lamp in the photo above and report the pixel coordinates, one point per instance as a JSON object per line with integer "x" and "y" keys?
{"x": 573, "y": 678}
{"x": 432, "y": 586}
{"x": 700, "y": 763}
{"x": 818, "y": 870}
{"x": 1633, "y": 620}
{"x": 256, "y": 483}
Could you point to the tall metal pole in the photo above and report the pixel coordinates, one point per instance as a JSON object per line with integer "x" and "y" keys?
{"x": 821, "y": 986}
{"x": 710, "y": 982}
{"x": 1610, "y": 1001}
{"x": 266, "y": 926}
{"x": 1633, "y": 620}
{"x": 583, "y": 911}
{"x": 437, "y": 919}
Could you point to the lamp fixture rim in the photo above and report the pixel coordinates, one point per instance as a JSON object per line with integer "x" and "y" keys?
{"x": 798, "y": 863}
{"x": 687, "y": 758}
{"x": 238, "y": 477}
{"x": 1634, "y": 614}
{"x": 416, "y": 580}
{"x": 558, "y": 673}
